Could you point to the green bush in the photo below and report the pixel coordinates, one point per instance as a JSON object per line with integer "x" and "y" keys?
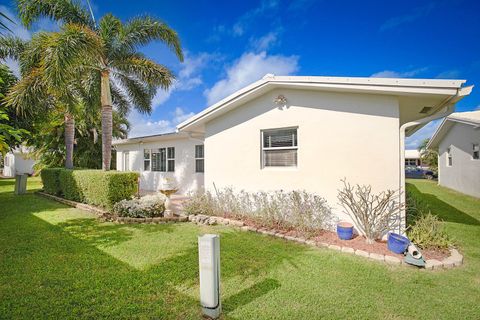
{"x": 51, "y": 180}
{"x": 428, "y": 232}
{"x": 145, "y": 207}
{"x": 95, "y": 187}
{"x": 424, "y": 229}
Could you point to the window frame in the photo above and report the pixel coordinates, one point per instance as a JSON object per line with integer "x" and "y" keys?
{"x": 449, "y": 157}
{"x": 202, "y": 159}
{"x": 159, "y": 151}
{"x": 263, "y": 148}
{"x": 476, "y": 151}
{"x": 126, "y": 160}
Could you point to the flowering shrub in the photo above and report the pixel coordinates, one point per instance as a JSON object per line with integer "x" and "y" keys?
{"x": 145, "y": 207}
{"x": 306, "y": 212}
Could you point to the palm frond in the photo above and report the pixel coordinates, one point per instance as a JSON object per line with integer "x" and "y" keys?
{"x": 140, "y": 94}
{"x": 119, "y": 99}
{"x": 145, "y": 70}
{"x": 2, "y": 24}
{"x": 109, "y": 29}
{"x": 67, "y": 11}
{"x": 142, "y": 30}
{"x": 11, "y": 47}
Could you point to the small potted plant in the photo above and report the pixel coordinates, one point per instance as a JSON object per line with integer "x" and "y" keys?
{"x": 345, "y": 230}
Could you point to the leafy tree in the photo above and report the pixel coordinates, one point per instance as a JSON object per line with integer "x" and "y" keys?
{"x": 122, "y": 76}
{"x": 428, "y": 157}
{"x": 10, "y": 135}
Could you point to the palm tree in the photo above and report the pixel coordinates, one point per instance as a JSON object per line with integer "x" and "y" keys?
{"x": 124, "y": 77}
{"x": 39, "y": 91}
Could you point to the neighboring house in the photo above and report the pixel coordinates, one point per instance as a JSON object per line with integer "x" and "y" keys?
{"x": 301, "y": 133}
{"x": 457, "y": 140}
{"x": 412, "y": 158}
{"x": 18, "y": 161}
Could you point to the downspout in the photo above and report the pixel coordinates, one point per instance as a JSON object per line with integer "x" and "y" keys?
{"x": 447, "y": 106}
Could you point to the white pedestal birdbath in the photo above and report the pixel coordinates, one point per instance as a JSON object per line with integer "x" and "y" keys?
{"x": 168, "y": 188}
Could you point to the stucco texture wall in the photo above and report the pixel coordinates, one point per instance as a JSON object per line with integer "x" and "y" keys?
{"x": 464, "y": 174}
{"x": 184, "y": 176}
{"x": 352, "y": 136}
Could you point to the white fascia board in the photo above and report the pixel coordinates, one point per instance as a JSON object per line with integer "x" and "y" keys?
{"x": 389, "y": 86}
{"x": 152, "y": 138}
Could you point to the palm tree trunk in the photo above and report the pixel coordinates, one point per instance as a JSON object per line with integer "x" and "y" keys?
{"x": 106, "y": 99}
{"x": 69, "y": 139}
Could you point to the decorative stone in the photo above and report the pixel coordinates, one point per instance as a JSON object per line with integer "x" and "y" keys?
{"x": 322, "y": 244}
{"x": 448, "y": 263}
{"x": 334, "y": 247}
{"x": 310, "y": 242}
{"x": 301, "y": 240}
{"x": 245, "y": 228}
{"x": 348, "y": 250}
{"x": 191, "y": 217}
{"x": 252, "y": 229}
{"x": 290, "y": 238}
{"x": 376, "y": 256}
{"x": 280, "y": 235}
{"x": 433, "y": 264}
{"x": 236, "y": 223}
{"x": 361, "y": 253}
{"x": 392, "y": 260}
{"x": 456, "y": 257}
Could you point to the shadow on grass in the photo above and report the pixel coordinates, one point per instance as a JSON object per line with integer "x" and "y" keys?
{"x": 442, "y": 209}
{"x": 249, "y": 294}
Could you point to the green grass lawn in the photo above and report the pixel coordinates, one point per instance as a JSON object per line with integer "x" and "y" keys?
{"x": 60, "y": 262}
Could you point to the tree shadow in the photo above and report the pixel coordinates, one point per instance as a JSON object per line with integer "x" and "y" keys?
{"x": 442, "y": 209}
{"x": 249, "y": 294}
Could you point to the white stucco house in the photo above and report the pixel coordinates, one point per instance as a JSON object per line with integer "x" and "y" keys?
{"x": 457, "y": 141}
{"x": 18, "y": 161}
{"x": 412, "y": 158}
{"x": 296, "y": 132}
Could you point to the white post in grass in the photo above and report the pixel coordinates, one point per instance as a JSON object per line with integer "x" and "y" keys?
{"x": 209, "y": 264}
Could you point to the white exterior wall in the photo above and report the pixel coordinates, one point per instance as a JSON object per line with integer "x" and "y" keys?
{"x": 340, "y": 135}
{"x": 17, "y": 164}
{"x": 184, "y": 176}
{"x": 464, "y": 174}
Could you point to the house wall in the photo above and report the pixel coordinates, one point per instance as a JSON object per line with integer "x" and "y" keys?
{"x": 464, "y": 174}
{"x": 352, "y": 136}
{"x": 9, "y": 165}
{"x": 184, "y": 176}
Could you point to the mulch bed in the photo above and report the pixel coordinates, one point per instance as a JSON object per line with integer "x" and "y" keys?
{"x": 357, "y": 243}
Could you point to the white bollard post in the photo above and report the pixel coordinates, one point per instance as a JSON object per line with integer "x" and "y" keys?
{"x": 209, "y": 263}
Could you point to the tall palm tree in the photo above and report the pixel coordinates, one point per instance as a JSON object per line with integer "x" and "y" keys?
{"x": 40, "y": 92}
{"x": 124, "y": 77}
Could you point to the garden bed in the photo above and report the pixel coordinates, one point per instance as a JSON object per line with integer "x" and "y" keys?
{"x": 108, "y": 216}
{"x": 328, "y": 239}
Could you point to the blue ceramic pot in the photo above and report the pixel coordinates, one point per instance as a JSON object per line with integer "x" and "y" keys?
{"x": 397, "y": 243}
{"x": 345, "y": 231}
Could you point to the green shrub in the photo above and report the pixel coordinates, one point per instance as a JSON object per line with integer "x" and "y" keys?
{"x": 69, "y": 186}
{"x": 424, "y": 229}
{"x": 51, "y": 180}
{"x": 428, "y": 232}
{"x": 145, "y": 207}
{"x": 95, "y": 187}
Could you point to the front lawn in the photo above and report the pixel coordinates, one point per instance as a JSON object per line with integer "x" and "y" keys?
{"x": 60, "y": 262}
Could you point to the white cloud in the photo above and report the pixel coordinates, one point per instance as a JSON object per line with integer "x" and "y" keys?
{"x": 249, "y": 68}
{"x": 449, "y": 74}
{"x": 247, "y": 19}
{"x": 265, "y": 42}
{"x": 397, "y": 74}
{"x": 427, "y": 131}
{"x": 413, "y": 15}
{"x": 142, "y": 125}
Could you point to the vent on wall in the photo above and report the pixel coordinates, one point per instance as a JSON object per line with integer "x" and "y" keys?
{"x": 425, "y": 109}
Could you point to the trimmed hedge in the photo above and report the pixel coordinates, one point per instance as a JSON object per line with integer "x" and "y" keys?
{"x": 95, "y": 187}
{"x": 51, "y": 180}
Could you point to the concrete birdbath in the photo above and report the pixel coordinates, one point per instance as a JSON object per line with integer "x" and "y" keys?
{"x": 168, "y": 188}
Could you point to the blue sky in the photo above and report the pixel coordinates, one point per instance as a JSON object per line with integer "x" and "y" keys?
{"x": 231, "y": 44}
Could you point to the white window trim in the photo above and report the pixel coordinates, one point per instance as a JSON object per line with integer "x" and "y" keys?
{"x": 166, "y": 159}
{"x": 473, "y": 151}
{"x": 449, "y": 157}
{"x": 200, "y": 158}
{"x": 262, "y": 149}
{"x": 126, "y": 156}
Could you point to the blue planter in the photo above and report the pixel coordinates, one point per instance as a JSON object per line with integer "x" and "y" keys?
{"x": 345, "y": 231}
{"x": 397, "y": 243}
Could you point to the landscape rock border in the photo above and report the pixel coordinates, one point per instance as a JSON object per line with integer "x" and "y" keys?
{"x": 107, "y": 216}
{"x": 454, "y": 260}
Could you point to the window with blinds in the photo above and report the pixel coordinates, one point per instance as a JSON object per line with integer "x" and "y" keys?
{"x": 279, "y": 148}
{"x": 199, "y": 158}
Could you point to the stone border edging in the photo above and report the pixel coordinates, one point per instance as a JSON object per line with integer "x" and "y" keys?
{"x": 105, "y": 215}
{"x": 455, "y": 259}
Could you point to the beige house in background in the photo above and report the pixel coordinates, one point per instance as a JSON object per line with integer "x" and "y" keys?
{"x": 298, "y": 133}
{"x": 457, "y": 140}
{"x": 412, "y": 158}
